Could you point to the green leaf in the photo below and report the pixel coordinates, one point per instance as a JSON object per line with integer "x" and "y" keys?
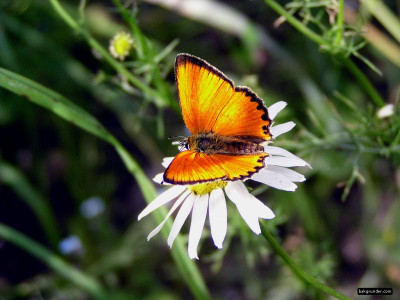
{"x": 69, "y": 111}
{"x": 54, "y": 262}
{"x": 62, "y": 107}
{"x": 295, "y": 268}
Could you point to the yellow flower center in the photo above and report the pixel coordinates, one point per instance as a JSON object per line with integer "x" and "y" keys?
{"x": 207, "y": 188}
{"x": 121, "y": 45}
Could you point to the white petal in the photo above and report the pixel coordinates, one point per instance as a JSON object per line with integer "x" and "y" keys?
{"x": 218, "y": 217}
{"x": 284, "y": 161}
{"x": 275, "y": 109}
{"x": 180, "y": 219}
{"x": 196, "y": 227}
{"x": 261, "y": 209}
{"x": 282, "y": 152}
{"x": 239, "y": 195}
{"x": 167, "y": 161}
{"x": 288, "y": 173}
{"x": 163, "y": 198}
{"x": 282, "y": 128}
{"x": 386, "y": 111}
{"x": 174, "y": 207}
{"x": 159, "y": 178}
{"x": 274, "y": 180}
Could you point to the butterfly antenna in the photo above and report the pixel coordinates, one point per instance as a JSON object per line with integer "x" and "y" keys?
{"x": 177, "y": 137}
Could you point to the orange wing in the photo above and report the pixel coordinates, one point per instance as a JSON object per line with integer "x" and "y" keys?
{"x": 190, "y": 167}
{"x": 210, "y": 103}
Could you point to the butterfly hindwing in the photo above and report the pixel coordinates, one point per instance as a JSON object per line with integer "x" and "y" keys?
{"x": 190, "y": 167}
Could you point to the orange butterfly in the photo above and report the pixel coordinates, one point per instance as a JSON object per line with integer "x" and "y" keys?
{"x": 228, "y": 125}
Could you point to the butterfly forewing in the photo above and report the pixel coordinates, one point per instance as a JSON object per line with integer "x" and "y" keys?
{"x": 210, "y": 103}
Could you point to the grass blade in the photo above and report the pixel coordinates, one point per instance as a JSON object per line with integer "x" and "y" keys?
{"x": 69, "y": 111}
{"x": 53, "y": 261}
{"x": 11, "y": 176}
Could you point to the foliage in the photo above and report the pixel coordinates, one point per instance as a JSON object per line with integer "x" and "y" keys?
{"x": 337, "y": 67}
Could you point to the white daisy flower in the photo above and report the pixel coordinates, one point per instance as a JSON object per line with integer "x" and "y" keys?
{"x": 200, "y": 198}
{"x": 386, "y": 111}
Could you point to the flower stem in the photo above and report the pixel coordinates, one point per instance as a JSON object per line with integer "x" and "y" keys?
{"x": 339, "y": 23}
{"x": 159, "y": 101}
{"x": 297, "y": 270}
{"x": 141, "y": 47}
{"x": 72, "y": 113}
{"x": 358, "y": 74}
{"x": 297, "y": 24}
{"x": 363, "y": 80}
{"x": 65, "y": 16}
{"x": 53, "y": 261}
{"x": 389, "y": 20}
{"x": 16, "y": 179}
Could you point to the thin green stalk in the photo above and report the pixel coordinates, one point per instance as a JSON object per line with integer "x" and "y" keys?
{"x": 72, "y": 113}
{"x": 362, "y": 79}
{"x": 396, "y": 140}
{"x": 189, "y": 271}
{"x": 339, "y": 23}
{"x": 145, "y": 55}
{"x": 297, "y": 270}
{"x": 106, "y": 56}
{"x": 13, "y": 177}
{"x": 123, "y": 71}
{"x": 389, "y": 20}
{"x": 54, "y": 262}
{"x": 128, "y": 18}
{"x": 66, "y": 17}
{"x": 297, "y": 24}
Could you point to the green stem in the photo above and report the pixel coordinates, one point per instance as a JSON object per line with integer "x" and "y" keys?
{"x": 299, "y": 272}
{"x": 188, "y": 269}
{"x": 72, "y": 113}
{"x": 362, "y": 79}
{"x": 396, "y": 139}
{"x": 143, "y": 53}
{"x": 389, "y": 20}
{"x": 53, "y": 262}
{"x": 123, "y": 71}
{"x": 106, "y": 56}
{"x": 297, "y": 24}
{"x": 40, "y": 206}
{"x": 64, "y": 15}
{"x": 142, "y": 48}
{"x": 339, "y": 24}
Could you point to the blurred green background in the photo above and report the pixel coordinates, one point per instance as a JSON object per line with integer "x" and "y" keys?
{"x": 69, "y": 191}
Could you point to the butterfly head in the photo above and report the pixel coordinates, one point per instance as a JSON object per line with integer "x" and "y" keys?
{"x": 184, "y": 144}
{"x": 182, "y": 141}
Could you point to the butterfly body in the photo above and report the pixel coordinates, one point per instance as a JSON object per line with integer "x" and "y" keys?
{"x": 211, "y": 143}
{"x": 229, "y": 126}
